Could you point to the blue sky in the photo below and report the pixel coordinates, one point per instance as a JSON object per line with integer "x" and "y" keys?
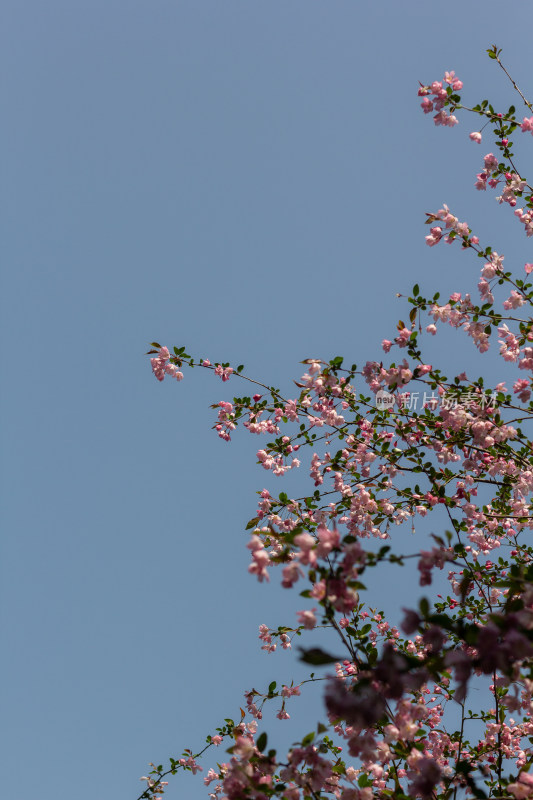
{"x": 247, "y": 179}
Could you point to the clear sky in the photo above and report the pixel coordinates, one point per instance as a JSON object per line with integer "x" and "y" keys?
{"x": 248, "y": 179}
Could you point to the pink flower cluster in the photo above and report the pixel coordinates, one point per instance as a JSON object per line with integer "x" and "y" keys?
{"x": 522, "y": 389}
{"x": 276, "y": 463}
{"x": 436, "y": 558}
{"x": 523, "y": 787}
{"x": 525, "y": 215}
{"x": 457, "y": 229}
{"x": 161, "y": 366}
{"x": 226, "y": 422}
{"x": 440, "y": 99}
{"x": 457, "y": 456}
{"x": 484, "y": 177}
{"x": 223, "y": 373}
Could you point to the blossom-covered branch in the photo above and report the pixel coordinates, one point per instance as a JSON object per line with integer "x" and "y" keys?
{"x": 438, "y": 702}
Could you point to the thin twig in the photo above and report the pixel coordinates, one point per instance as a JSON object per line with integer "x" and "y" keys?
{"x": 527, "y": 103}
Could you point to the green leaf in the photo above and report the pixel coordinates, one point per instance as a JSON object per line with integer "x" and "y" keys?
{"x": 317, "y": 656}
{"x": 442, "y": 620}
{"x": 262, "y": 742}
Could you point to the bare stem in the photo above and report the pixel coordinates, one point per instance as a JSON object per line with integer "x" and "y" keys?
{"x": 526, "y": 102}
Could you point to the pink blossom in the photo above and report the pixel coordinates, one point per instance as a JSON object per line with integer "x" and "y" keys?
{"x": 162, "y": 367}
{"x": 476, "y": 137}
{"x": 191, "y": 764}
{"x": 424, "y": 778}
{"x": 290, "y": 691}
{"x": 522, "y": 389}
{"x": 291, "y": 574}
{"x": 454, "y": 82}
{"x": 361, "y": 710}
{"x": 211, "y": 776}
{"x": 327, "y": 540}
{"x": 491, "y": 162}
{"x": 428, "y": 560}
{"x": 260, "y": 562}
{"x": 403, "y": 337}
{"x": 434, "y": 237}
{"x": 244, "y": 747}
{"x": 481, "y": 182}
{"x": 223, "y": 373}
{"x": 441, "y": 118}
{"x": 306, "y": 543}
{"x": 515, "y": 300}
{"x": 485, "y": 292}
{"x": 307, "y": 619}
{"x": 523, "y": 787}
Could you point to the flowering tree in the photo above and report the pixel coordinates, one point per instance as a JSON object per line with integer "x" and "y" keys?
{"x": 402, "y": 718}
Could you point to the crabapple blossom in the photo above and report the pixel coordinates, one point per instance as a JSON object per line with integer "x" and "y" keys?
{"x": 447, "y": 462}
{"x": 307, "y": 618}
